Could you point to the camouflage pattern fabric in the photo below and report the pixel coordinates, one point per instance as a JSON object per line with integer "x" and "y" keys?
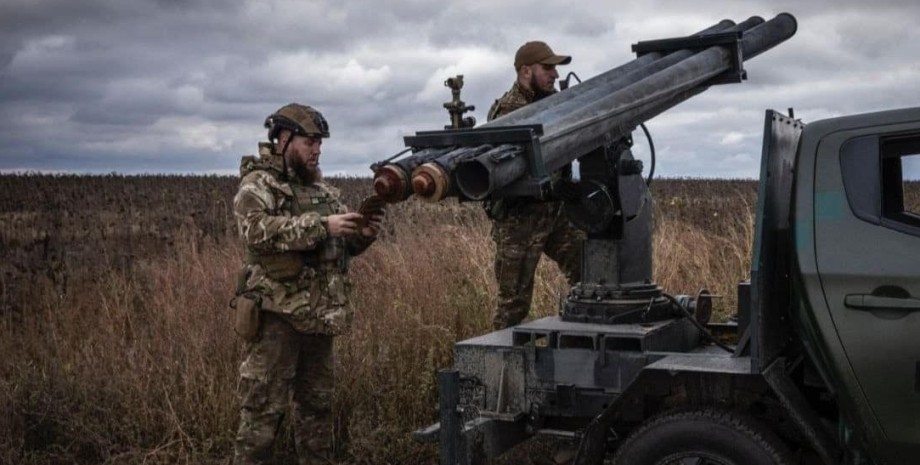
{"x": 526, "y": 231}
{"x": 299, "y": 274}
{"x": 515, "y": 98}
{"x": 523, "y": 230}
{"x": 276, "y": 218}
{"x": 284, "y": 366}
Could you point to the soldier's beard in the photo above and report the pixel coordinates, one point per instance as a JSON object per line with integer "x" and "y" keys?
{"x": 307, "y": 174}
{"x": 538, "y": 93}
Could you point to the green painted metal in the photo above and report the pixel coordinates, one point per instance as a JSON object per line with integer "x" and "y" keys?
{"x": 870, "y": 358}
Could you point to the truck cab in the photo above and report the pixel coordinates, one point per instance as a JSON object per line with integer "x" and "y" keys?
{"x": 856, "y": 234}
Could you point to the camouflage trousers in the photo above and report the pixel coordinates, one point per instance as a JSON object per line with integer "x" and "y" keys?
{"x": 522, "y": 233}
{"x": 281, "y": 368}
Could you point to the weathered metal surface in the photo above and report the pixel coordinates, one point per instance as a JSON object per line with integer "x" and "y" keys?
{"x": 587, "y": 127}
{"x": 709, "y": 362}
{"x": 560, "y": 375}
{"x": 770, "y": 262}
{"x": 802, "y": 414}
{"x": 592, "y": 114}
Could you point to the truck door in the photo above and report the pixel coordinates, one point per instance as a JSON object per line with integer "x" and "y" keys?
{"x": 867, "y": 244}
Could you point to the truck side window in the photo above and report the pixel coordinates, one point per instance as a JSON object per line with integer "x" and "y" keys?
{"x": 900, "y": 172}
{"x": 910, "y": 167}
{"x": 881, "y": 177}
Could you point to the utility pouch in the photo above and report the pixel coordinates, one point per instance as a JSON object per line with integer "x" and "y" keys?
{"x": 281, "y": 266}
{"x": 246, "y": 319}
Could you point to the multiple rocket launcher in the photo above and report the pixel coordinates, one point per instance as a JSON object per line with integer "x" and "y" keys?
{"x": 514, "y": 154}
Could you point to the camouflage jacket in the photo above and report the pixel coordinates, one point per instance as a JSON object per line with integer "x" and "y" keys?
{"x": 293, "y": 265}
{"x": 515, "y": 98}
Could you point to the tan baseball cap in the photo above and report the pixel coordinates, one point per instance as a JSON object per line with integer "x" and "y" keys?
{"x": 538, "y": 52}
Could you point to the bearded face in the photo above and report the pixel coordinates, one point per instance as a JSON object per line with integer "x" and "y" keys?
{"x": 543, "y": 79}
{"x": 309, "y": 174}
{"x": 538, "y": 92}
{"x": 302, "y": 156}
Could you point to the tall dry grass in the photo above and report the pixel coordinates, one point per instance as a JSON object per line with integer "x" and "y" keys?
{"x": 138, "y": 365}
{"x": 129, "y": 369}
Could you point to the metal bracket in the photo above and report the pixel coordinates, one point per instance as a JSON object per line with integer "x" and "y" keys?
{"x": 731, "y": 40}
{"x": 526, "y": 187}
{"x": 521, "y": 135}
{"x": 803, "y": 416}
{"x": 526, "y": 136}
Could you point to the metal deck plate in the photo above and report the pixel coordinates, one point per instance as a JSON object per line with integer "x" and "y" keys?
{"x": 706, "y": 362}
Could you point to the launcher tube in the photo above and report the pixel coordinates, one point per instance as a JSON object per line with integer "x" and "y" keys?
{"x": 618, "y": 113}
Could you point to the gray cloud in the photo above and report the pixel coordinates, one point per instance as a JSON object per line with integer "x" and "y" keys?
{"x": 183, "y": 85}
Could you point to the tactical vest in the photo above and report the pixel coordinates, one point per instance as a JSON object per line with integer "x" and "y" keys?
{"x": 309, "y": 199}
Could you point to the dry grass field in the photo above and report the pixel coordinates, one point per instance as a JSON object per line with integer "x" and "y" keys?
{"x": 115, "y": 331}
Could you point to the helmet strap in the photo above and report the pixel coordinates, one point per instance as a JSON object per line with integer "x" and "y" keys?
{"x": 287, "y": 143}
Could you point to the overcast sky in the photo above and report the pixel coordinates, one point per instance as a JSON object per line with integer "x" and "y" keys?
{"x": 183, "y": 86}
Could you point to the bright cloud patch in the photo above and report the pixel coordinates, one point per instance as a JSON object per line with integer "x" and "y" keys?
{"x": 732, "y": 138}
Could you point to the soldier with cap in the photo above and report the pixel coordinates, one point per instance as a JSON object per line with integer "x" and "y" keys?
{"x": 292, "y": 295}
{"x": 524, "y": 229}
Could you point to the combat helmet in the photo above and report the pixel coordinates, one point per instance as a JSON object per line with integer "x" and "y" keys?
{"x": 301, "y": 120}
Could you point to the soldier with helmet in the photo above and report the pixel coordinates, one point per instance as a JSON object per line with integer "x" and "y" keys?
{"x": 292, "y": 297}
{"x": 524, "y": 229}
